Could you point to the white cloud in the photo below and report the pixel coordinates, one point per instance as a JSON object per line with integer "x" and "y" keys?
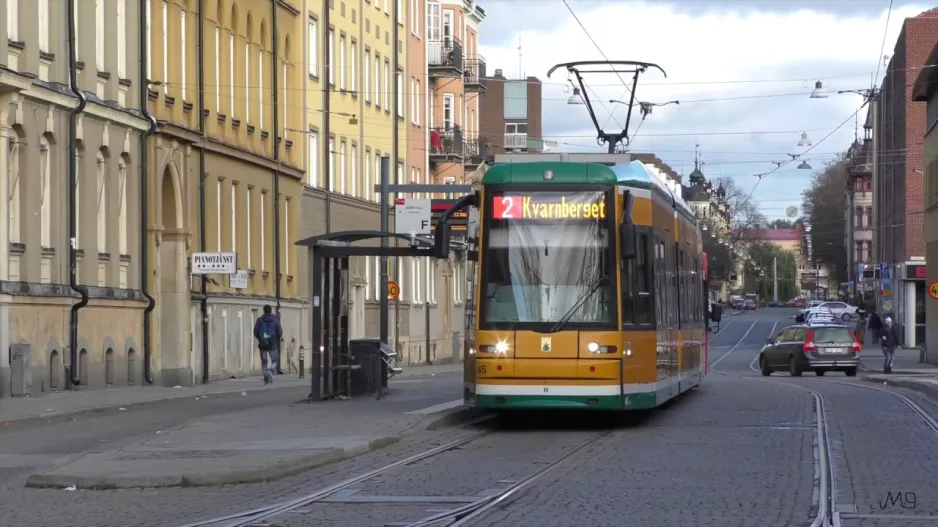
{"x": 700, "y": 50}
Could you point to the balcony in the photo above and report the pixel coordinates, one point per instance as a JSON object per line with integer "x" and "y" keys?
{"x": 444, "y": 58}
{"x": 516, "y": 141}
{"x": 475, "y": 153}
{"x": 474, "y": 73}
{"x": 446, "y": 145}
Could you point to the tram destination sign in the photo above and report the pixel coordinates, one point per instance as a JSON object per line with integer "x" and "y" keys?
{"x": 549, "y": 206}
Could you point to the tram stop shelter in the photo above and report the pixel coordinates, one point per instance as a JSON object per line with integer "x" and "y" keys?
{"x": 333, "y": 362}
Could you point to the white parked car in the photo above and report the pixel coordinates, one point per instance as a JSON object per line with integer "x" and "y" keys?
{"x": 841, "y": 310}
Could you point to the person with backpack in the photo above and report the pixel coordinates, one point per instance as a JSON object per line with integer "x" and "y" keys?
{"x": 268, "y": 332}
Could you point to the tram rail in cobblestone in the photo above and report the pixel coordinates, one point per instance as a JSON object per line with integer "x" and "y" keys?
{"x": 823, "y": 460}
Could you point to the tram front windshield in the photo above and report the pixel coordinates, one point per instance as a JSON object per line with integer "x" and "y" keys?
{"x": 546, "y": 258}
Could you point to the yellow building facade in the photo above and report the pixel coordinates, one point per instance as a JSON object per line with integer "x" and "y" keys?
{"x": 231, "y": 184}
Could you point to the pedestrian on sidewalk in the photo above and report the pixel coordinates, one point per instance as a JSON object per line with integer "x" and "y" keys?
{"x": 860, "y": 329}
{"x": 876, "y": 325}
{"x": 890, "y": 339}
{"x": 268, "y": 332}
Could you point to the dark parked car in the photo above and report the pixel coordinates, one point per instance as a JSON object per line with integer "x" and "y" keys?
{"x": 819, "y": 348}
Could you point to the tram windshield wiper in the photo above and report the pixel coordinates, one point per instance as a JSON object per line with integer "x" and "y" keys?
{"x": 576, "y": 306}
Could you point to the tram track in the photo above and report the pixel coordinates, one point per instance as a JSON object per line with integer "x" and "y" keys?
{"x": 826, "y": 480}
{"x": 824, "y": 468}
{"x": 461, "y": 515}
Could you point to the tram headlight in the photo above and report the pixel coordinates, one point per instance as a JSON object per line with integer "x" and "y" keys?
{"x": 593, "y": 347}
{"x": 501, "y": 347}
{"x": 598, "y": 349}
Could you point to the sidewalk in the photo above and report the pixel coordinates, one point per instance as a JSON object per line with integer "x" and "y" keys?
{"x": 65, "y": 403}
{"x": 907, "y": 371}
{"x": 251, "y": 446}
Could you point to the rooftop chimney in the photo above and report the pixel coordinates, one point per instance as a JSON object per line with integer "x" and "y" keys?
{"x": 498, "y": 73}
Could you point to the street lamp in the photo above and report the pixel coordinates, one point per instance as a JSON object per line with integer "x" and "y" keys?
{"x": 804, "y": 140}
{"x": 804, "y": 166}
{"x": 816, "y": 93}
{"x": 576, "y": 99}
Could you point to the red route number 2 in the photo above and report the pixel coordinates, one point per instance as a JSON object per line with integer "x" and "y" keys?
{"x": 506, "y": 208}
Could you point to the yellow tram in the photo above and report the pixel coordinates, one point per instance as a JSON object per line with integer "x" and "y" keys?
{"x": 586, "y": 289}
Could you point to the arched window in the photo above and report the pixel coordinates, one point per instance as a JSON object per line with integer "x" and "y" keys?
{"x": 248, "y": 37}
{"x": 45, "y": 205}
{"x": 122, "y": 205}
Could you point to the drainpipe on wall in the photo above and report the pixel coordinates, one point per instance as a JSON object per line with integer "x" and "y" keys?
{"x": 278, "y": 137}
{"x": 203, "y": 303}
{"x": 326, "y": 116}
{"x": 73, "y": 373}
{"x": 144, "y": 193}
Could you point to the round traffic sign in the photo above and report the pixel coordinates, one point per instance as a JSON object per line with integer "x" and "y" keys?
{"x": 394, "y": 290}
{"x": 933, "y": 289}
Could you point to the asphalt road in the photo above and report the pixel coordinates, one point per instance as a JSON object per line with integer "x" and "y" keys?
{"x": 738, "y": 451}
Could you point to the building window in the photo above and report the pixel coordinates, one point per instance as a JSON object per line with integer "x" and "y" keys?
{"x": 217, "y": 69}
{"x": 45, "y": 204}
{"x": 99, "y": 35}
{"x": 218, "y": 215}
{"x": 343, "y": 175}
{"x": 77, "y": 161}
{"x": 331, "y": 165}
{"x": 182, "y": 56}
{"x": 353, "y": 172}
{"x": 149, "y": 18}
{"x": 313, "y": 49}
{"x": 249, "y": 225}
{"x": 431, "y": 280}
{"x": 449, "y": 106}
{"x": 342, "y": 72}
{"x": 366, "y": 184}
{"x": 101, "y": 202}
{"x": 331, "y": 64}
{"x": 263, "y": 226}
{"x": 400, "y": 12}
{"x": 387, "y": 86}
{"x": 13, "y": 20}
{"x": 284, "y": 100}
{"x": 400, "y": 94}
{"x": 286, "y": 235}
{"x": 353, "y": 66}
{"x": 366, "y": 76}
{"x": 312, "y": 171}
{"x": 121, "y": 35}
{"x": 260, "y": 88}
{"x": 869, "y": 217}
{"x": 77, "y": 43}
{"x": 414, "y": 14}
{"x": 858, "y": 251}
{"x": 231, "y": 72}
{"x": 247, "y": 82}
{"x": 418, "y": 100}
{"x": 377, "y": 195}
{"x": 859, "y": 218}
{"x": 377, "y": 81}
{"x": 121, "y": 207}
{"x": 165, "y": 35}
{"x": 414, "y": 281}
{"x": 233, "y": 216}
{"x": 13, "y": 170}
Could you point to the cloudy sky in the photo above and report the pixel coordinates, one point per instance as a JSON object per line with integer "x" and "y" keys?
{"x": 770, "y": 51}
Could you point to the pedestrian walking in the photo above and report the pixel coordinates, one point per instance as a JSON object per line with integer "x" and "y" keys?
{"x": 268, "y": 332}
{"x": 860, "y": 329}
{"x": 890, "y": 340}
{"x": 875, "y": 325}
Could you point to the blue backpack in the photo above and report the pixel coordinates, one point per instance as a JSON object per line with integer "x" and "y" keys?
{"x": 267, "y": 334}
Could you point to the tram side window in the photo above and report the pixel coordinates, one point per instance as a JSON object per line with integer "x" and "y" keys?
{"x": 642, "y": 278}
{"x": 695, "y": 291}
{"x": 661, "y": 301}
{"x": 679, "y": 279}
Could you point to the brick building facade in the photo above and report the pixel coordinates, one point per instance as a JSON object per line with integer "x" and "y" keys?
{"x": 898, "y": 176}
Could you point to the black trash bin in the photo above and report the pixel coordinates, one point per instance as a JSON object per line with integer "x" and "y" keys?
{"x": 716, "y": 314}
{"x": 377, "y": 363}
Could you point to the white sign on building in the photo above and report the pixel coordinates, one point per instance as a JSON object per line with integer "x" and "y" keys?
{"x": 214, "y": 263}
{"x": 412, "y": 217}
{"x": 238, "y": 280}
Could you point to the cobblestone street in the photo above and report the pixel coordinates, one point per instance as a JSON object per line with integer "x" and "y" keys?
{"x": 740, "y": 451}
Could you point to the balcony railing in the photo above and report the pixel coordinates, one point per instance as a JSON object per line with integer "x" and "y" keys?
{"x": 475, "y": 152}
{"x": 474, "y": 72}
{"x": 446, "y": 143}
{"x": 516, "y": 141}
{"x": 445, "y": 56}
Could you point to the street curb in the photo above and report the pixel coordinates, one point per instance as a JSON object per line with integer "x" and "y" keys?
{"x": 439, "y": 420}
{"x": 921, "y": 387}
{"x": 116, "y": 407}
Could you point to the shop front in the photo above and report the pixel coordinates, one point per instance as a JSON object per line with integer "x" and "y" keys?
{"x": 911, "y": 303}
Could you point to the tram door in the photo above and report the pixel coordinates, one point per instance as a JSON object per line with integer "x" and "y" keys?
{"x": 673, "y": 326}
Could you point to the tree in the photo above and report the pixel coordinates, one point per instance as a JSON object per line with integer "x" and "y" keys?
{"x": 781, "y": 224}
{"x": 823, "y": 203}
{"x": 759, "y": 277}
{"x": 744, "y": 217}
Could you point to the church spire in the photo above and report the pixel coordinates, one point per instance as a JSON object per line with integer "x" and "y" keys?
{"x": 697, "y": 177}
